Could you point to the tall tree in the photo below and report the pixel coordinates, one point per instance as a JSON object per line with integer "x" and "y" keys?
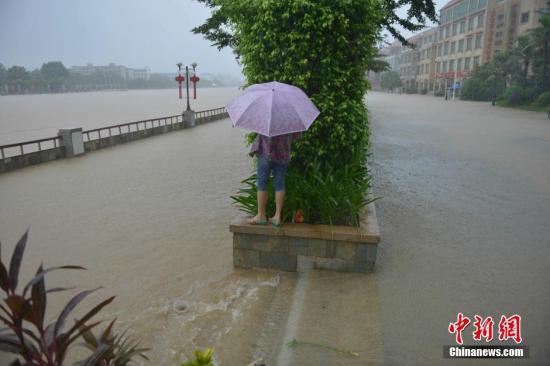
{"x": 2, "y": 78}
{"x": 54, "y": 74}
{"x": 17, "y": 78}
{"x": 541, "y": 41}
{"x": 217, "y": 28}
{"x": 2, "y": 73}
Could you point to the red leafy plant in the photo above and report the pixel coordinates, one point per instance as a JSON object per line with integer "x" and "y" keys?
{"x": 41, "y": 344}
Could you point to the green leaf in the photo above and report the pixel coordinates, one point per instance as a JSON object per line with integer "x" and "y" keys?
{"x": 16, "y": 258}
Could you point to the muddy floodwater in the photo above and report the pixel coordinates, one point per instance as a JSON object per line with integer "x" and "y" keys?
{"x": 29, "y": 117}
{"x": 465, "y": 221}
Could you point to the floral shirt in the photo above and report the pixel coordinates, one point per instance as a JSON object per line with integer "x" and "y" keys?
{"x": 275, "y": 149}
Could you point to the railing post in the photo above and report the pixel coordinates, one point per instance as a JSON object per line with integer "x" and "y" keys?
{"x": 188, "y": 119}
{"x": 71, "y": 139}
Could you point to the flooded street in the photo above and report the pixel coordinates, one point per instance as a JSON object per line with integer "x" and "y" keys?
{"x": 465, "y": 221}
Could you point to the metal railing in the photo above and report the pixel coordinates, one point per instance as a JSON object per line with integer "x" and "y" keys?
{"x": 34, "y": 145}
{"x": 210, "y": 112}
{"x": 17, "y": 149}
{"x": 122, "y": 128}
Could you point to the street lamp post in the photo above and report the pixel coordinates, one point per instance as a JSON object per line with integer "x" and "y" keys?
{"x": 194, "y": 79}
{"x": 188, "y": 114}
{"x": 187, "y": 86}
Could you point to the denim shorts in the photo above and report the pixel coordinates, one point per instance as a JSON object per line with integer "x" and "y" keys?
{"x": 264, "y": 168}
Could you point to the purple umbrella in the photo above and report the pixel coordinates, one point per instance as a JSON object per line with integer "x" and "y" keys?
{"x": 272, "y": 109}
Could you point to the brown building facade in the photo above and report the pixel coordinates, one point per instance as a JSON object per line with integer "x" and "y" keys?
{"x": 471, "y": 33}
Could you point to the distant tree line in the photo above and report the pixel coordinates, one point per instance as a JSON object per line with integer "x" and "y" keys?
{"x": 518, "y": 77}
{"x": 54, "y": 77}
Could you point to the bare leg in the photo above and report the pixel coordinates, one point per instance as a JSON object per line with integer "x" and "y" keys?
{"x": 262, "y": 201}
{"x": 279, "y": 202}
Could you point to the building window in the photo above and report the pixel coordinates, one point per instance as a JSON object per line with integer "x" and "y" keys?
{"x": 469, "y": 43}
{"x": 480, "y": 20}
{"x": 524, "y": 17}
{"x": 444, "y": 66}
{"x": 459, "y": 64}
{"x": 455, "y": 28}
{"x": 467, "y": 64}
{"x": 438, "y": 66}
{"x": 452, "y": 65}
{"x": 461, "y": 45}
{"x": 478, "y": 40}
{"x": 471, "y": 24}
{"x": 441, "y": 34}
{"x": 447, "y": 31}
{"x": 439, "y": 49}
{"x": 446, "y": 49}
{"x": 462, "y": 26}
{"x": 473, "y": 5}
{"x": 476, "y": 61}
{"x": 453, "y": 47}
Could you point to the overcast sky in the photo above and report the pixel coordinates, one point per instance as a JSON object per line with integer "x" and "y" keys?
{"x": 134, "y": 33}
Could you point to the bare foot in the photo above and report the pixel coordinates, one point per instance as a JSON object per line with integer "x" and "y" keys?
{"x": 275, "y": 221}
{"x": 257, "y": 220}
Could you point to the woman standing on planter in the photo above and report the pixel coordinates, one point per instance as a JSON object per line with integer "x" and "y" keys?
{"x": 273, "y": 155}
{"x": 277, "y": 113}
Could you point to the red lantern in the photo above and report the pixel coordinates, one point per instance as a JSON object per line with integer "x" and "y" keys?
{"x": 180, "y": 79}
{"x": 194, "y": 79}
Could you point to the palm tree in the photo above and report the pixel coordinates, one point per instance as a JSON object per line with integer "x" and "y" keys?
{"x": 526, "y": 51}
{"x": 540, "y": 41}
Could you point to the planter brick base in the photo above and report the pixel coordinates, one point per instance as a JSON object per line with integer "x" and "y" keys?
{"x": 337, "y": 248}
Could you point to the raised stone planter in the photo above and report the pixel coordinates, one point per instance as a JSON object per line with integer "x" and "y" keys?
{"x": 338, "y": 248}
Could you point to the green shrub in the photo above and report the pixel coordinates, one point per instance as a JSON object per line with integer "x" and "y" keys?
{"x": 325, "y": 196}
{"x": 513, "y": 96}
{"x": 439, "y": 93}
{"x": 543, "y": 100}
{"x": 424, "y": 91}
{"x": 202, "y": 358}
{"x": 325, "y": 48}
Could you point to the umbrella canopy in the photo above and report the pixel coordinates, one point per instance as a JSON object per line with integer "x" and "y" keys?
{"x": 272, "y": 109}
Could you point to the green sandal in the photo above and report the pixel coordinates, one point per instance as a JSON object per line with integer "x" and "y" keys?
{"x": 276, "y": 225}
